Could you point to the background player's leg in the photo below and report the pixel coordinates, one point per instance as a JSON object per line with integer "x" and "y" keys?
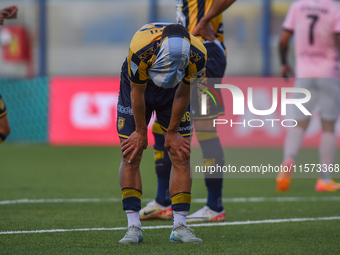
{"x": 212, "y": 155}
{"x": 294, "y": 140}
{"x": 206, "y": 134}
{"x": 327, "y": 147}
{"x": 291, "y": 148}
{"x": 329, "y": 111}
{"x": 327, "y": 153}
{"x": 162, "y": 165}
{"x": 295, "y": 135}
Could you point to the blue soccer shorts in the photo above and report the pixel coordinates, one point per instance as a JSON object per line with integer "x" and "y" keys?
{"x": 157, "y": 100}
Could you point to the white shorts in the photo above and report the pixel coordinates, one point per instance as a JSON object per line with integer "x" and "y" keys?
{"x": 325, "y": 97}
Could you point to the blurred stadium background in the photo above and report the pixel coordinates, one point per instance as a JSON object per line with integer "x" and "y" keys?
{"x": 85, "y": 38}
{"x": 90, "y": 37}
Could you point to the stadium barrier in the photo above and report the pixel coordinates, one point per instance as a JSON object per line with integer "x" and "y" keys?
{"x": 27, "y": 103}
{"x": 83, "y": 111}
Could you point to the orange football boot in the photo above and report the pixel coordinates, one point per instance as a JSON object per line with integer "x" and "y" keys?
{"x": 284, "y": 179}
{"x": 330, "y": 186}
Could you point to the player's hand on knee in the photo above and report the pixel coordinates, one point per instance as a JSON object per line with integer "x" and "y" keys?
{"x": 134, "y": 145}
{"x": 178, "y": 145}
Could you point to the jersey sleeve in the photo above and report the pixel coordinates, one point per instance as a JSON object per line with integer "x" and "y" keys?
{"x": 198, "y": 61}
{"x": 289, "y": 22}
{"x": 195, "y": 70}
{"x": 137, "y": 69}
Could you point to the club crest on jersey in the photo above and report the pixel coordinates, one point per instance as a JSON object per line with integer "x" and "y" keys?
{"x": 121, "y": 123}
{"x": 134, "y": 67}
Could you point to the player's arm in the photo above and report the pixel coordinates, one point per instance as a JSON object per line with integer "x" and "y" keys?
{"x": 137, "y": 141}
{"x": 10, "y": 12}
{"x": 204, "y": 28}
{"x": 174, "y": 140}
{"x": 2, "y": 16}
{"x": 284, "y": 43}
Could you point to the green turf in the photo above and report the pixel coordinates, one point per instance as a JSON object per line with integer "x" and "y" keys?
{"x": 44, "y": 172}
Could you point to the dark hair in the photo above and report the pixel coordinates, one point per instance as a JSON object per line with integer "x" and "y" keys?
{"x": 175, "y": 29}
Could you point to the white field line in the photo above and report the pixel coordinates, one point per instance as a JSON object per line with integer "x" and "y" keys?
{"x": 197, "y": 200}
{"x": 234, "y": 223}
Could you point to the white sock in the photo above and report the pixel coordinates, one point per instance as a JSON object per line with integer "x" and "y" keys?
{"x": 180, "y": 217}
{"x": 293, "y": 142}
{"x": 133, "y": 218}
{"x": 327, "y": 152}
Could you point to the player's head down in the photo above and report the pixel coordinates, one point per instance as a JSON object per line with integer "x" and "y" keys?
{"x": 172, "y": 58}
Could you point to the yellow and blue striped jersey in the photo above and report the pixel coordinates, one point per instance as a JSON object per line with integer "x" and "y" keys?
{"x": 144, "y": 48}
{"x": 190, "y": 12}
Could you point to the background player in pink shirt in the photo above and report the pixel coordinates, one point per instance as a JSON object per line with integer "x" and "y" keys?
{"x": 316, "y": 28}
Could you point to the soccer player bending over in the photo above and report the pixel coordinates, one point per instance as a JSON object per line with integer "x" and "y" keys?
{"x": 316, "y": 26}
{"x": 203, "y": 18}
{"x": 7, "y": 13}
{"x": 156, "y": 77}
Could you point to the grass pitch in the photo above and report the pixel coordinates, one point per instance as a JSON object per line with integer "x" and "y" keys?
{"x": 44, "y": 174}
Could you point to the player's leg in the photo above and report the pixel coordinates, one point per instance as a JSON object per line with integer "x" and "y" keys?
{"x": 206, "y": 133}
{"x": 131, "y": 185}
{"x": 180, "y": 179}
{"x": 129, "y": 173}
{"x": 180, "y": 191}
{"x": 329, "y": 111}
{"x": 131, "y": 189}
{"x": 327, "y": 153}
{"x": 212, "y": 155}
{"x": 163, "y": 166}
{"x": 160, "y": 208}
{"x": 180, "y": 188}
{"x": 291, "y": 148}
{"x": 294, "y": 139}
{"x": 4, "y": 122}
{"x": 295, "y": 135}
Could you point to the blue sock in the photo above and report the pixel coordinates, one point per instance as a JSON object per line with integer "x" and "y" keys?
{"x": 214, "y": 201}
{"x": 163, "y": 167}
{"x": 163, "y": 195}
{"x": 212, "y": 155}
{"x": 2, "y": 137}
